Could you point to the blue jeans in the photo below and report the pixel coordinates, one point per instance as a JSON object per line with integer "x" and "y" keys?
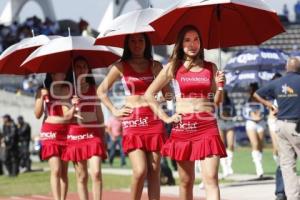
{"x": 279, "y": 182}
{"x": 112, "y": 151}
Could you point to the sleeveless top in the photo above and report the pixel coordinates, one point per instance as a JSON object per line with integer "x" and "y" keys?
{"x": 188, "y": 84}
{"x": 136, "y": 83}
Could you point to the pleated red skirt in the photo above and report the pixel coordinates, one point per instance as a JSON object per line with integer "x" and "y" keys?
{"x": 53, "y": 139}
{"x": 143, "y": 130}
{"x": 83, "y": 142}
{"x": 194, "y": 138}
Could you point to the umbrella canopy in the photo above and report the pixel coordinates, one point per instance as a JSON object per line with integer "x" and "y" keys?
{"x": 57, "y": 55}
{"x": 133, "y": 22}
{"x": 258, "y": 59}
{"x": 295, "y": 53}
{"x": 222, "y": 23}
{"x": 242, "y": 79}
{"x": 13, "y": 56}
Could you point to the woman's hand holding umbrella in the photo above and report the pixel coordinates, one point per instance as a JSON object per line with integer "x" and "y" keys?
{"x": 45, "y": 95}
{"x": 220, "y": 79}
{"x": 75, "y": 102}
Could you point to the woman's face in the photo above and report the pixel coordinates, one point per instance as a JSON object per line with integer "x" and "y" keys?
{"x": 58, "y": 76}
{"x": 191, "y": 44}
{"x": 81, "y": 68}
{"x": 137, "y": 44}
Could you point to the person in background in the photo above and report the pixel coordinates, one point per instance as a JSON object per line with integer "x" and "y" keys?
{"x": 255, "y": 128}
{"x": 286, "y": 11}
{"x": 273, "y": 130}
{"x": 286, "y": 91}
{"x": 114, "y": 129}
{"x": 24, "y": 134}
{"x": 10, "y": 134}
{"x": 226, "y": 125}
{"x": 1, "y": 153}
{"x": 297, "y": 11}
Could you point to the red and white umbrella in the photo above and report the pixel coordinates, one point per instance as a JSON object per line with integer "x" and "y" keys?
{"x": 133, "y": 22}
{"x": 14, "y": 56}
{"x": 58, "y": 54}
{"x": 222, "y": 23}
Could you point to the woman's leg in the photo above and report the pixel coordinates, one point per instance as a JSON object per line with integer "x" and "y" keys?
{"x": 82, "y": 179}
{"x": 186, "y": 170}
{"x": 153, "y": 175}
{"x": 261, "y": 137}
{"x": 210, "y": 168}
{"x": 256, "y": 151}
{"x": 230, "y": 149}
{"x": 96, "y": 176}
{"x": 64, "y": 180}
{"x": 55, "y": 174}
{"x": 138, "y": 161}
{"x": 224, "y": 161}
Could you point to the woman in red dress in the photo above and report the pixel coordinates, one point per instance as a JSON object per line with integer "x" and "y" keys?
{"x": 196, "y": 135}
{"x": 85, "y": 138}
{"x": 51, "y": 101}
{"x": 143, "y": 132}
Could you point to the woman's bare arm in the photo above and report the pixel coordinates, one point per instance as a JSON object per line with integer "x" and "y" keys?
{"x": 218, "y": 97}
{"x": 39, "y": 103}
{"x": 114, "y": 74}
{"x": 160, "y": 81}
{"x": 166, "y": 90}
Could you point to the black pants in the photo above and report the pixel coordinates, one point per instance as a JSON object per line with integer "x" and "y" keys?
{"x": 25, "y": 156}
{"x": 11, "y": 162}
{"x": 1, "y": 168}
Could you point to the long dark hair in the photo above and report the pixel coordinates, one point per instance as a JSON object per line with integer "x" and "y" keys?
{"x": 178, "y": 53}
{"x": 89, "y": 79}
{"x": 48, "y": 79}
{"x": 148, "y": 48}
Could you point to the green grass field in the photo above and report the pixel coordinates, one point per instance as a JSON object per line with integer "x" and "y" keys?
{"x": 242, "y": 161}
{"x": 38, "y": 182}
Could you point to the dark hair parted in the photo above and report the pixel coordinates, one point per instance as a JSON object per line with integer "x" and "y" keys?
{"x": 90, "y": 78}
{"x": 148, "y": 48}
{"x": 178, "y": 53}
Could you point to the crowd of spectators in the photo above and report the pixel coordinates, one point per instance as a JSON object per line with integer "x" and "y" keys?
{"x": 17, "y": 31}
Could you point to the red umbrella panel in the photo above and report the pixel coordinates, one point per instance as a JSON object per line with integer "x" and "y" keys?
{"x": 222, "y": 23}
{"x": 58, "y": 54}
{"x": 14, "y": 56}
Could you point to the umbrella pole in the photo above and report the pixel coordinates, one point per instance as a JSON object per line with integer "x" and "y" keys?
{"x": 221, "y": 86}
{"x": 74, "y": 78}
{"x": 219, "y": 35}
{"x": 74, "y": 82}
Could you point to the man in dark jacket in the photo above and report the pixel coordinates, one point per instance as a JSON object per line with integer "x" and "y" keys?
{"x": 24, "y": 135}
{"x": 10, "y": 134}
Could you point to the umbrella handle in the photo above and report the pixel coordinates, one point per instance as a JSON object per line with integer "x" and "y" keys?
{"x": 46, "y": 99}
{"x": 220, "y": 85}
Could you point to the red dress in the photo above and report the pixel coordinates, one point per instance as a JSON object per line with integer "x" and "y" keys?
{"x": 142, "y": 129}
{"x": 85, "y": 140}
{"x": 197, "y": 135}
{"x": 53, "y": 136}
